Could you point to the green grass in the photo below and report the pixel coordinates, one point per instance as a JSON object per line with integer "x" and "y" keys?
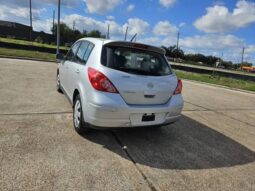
{"x": 27, "y": 54}
{"x": 224, "y": 81}
{"x": 24, "y": 42}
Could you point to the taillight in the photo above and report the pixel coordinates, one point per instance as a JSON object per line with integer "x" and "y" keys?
{"x": 178, "y": 89}
{"x": 100, "y": 82}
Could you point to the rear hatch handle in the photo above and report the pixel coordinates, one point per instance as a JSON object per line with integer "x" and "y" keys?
{"x": 150, "y": 94}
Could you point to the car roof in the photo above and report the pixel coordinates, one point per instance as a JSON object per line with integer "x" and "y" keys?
{"x": 101, "y": 42}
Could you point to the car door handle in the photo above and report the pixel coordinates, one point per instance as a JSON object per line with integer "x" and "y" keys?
{"x": 77, "y": 71}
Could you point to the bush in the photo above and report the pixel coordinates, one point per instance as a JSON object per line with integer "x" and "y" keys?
{"x": 11, "y": 36}
{"x": 68, "y": 44}
{"x": 39, "y": 39}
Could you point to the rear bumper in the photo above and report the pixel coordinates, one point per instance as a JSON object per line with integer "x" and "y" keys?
{"x": 117, "y": 114}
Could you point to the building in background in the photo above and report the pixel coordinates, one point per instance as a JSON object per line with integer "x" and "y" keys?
{"x": 22, "y": 32}
{"x": 248, "y": 68}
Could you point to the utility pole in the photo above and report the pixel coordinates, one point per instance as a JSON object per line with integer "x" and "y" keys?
{"x": 108, "y": 32}
{"x": 126, "y": 33}
{"x": 58, "y": 28}
{"x": 242, "y": 57}
{"x": 73, "y": 25}
{"x": 31, "y": 22}
{"x": 53, "y": 22}
{"x": 177, "y": 44}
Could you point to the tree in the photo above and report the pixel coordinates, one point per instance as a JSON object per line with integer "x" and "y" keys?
{"x": 227, "y": 64}
{"x": 200, "y": 58}
{"x": 173, "y": 52}
{"x": 247, "y": 64}
{"x": 69, "y": 36}
{"x": 95, "y": 33}
{"x": 66, "y": 34}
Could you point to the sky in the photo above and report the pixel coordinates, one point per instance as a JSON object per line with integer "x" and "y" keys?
{"x": 217, "y": 27}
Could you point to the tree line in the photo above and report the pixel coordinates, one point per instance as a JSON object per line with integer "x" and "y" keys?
{"x": 178, "y": 54}
{"x": 69, "y": 36}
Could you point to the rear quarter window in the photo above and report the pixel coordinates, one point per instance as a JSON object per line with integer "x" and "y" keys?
{"x": 88, "y": 52}
{"x": 81, "y": 52}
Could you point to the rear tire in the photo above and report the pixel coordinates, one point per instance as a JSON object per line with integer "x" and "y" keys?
{"x": 80, "y": 126}
{"x": 58, "y": 85}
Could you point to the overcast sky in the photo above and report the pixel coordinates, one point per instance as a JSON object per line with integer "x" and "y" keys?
{"x": 209, "y": 27}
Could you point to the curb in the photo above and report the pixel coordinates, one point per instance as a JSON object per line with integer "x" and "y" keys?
{"x": 220, "y": 86}
{"x": 26, "y": 58}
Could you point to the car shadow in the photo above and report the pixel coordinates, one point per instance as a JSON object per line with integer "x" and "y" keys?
{"x": 186, "y": 144}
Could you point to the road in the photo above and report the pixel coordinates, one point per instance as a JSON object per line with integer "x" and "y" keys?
{"x": 211, "y": 148}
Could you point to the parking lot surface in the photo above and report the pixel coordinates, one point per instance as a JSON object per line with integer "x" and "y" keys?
{"x": 212, "y": 147}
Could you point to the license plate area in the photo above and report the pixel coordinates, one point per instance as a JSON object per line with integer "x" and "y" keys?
{"x": 148, "y": 117}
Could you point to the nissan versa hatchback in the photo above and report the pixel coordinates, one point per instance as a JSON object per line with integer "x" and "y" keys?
{"x": 114, "y": 84}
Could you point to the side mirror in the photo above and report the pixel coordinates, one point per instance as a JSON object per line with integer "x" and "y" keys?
{"x": 60, "y": 57}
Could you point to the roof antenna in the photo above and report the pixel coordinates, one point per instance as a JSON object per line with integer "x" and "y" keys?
{"x": 133, "y": 37}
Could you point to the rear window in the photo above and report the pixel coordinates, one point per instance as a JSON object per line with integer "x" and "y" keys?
{"x": 135, "y": 61}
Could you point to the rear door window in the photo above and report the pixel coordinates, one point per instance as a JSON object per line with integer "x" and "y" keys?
{"x": 135, "y": 61}
{"x": 88, "y": 52}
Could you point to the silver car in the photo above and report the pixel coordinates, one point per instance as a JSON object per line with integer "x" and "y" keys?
{"x": 114, "y": 84}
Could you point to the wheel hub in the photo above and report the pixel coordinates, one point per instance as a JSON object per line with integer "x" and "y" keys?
{"x": 77, "y": 113}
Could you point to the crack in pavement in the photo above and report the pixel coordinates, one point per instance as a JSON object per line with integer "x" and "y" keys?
{"x": 124, "y": 148}
{"x": 218, "y": 112}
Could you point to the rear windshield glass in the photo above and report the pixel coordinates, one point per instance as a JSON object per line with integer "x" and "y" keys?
{"x": 135, "y": 61}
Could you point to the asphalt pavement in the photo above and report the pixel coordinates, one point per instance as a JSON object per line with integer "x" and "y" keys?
{"x": 212, "y": 147}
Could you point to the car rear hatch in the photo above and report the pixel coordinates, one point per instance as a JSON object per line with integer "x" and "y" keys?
{"x": 140, "y": 73}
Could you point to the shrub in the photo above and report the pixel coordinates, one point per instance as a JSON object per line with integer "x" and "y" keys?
{"x": 39, "y": 39}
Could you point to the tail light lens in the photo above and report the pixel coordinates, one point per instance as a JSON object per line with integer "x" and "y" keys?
{"x": 178, "y": 89}
{"x": 100, "y": 82}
